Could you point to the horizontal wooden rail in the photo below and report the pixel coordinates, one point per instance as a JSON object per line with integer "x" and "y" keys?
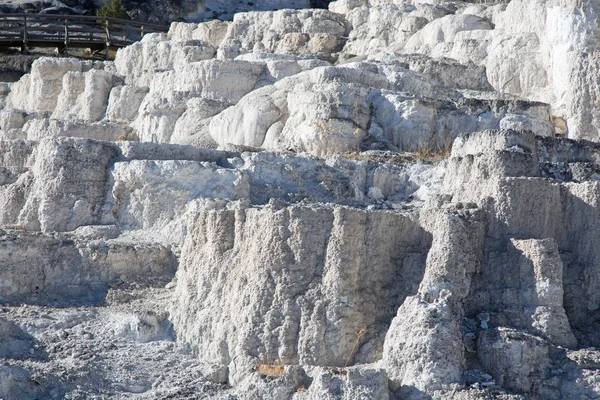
{"x": 70, "y": 31}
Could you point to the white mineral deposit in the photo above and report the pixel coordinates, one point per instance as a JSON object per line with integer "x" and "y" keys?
{"x": 388, "y": 199}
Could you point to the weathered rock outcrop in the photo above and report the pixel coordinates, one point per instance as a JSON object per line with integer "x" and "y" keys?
{"x": 474, "y": 283}
{"x": 180, "y": 87}
{"x": 386, "y": 199}
{"x": 76, "y": 267}
{"x": 307, "y": 284}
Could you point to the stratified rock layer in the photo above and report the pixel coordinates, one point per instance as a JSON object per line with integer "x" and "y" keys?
{"x": 308, "y": 279}
{"x": 385, "y": 200}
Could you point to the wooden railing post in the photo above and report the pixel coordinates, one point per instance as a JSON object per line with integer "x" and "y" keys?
{"x": 66, "y": 34}
{"x": 24, "y": 46}
{"x": 45, "y": 30}
{"x": 107, "y": 29}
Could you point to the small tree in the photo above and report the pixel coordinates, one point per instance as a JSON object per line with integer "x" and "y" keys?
{"x": 113, "y": 9}
{"x": 319, "y": 3}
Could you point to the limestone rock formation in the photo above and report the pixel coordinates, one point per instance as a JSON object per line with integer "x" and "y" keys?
{"x": 382, "y": 200}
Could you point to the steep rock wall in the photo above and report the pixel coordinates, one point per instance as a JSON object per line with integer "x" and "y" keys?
{"x": 493, "y": 289}
{"x": 307, "y": 280}
{"x": 180, "y": 87}
{"x": 334, "y": 263}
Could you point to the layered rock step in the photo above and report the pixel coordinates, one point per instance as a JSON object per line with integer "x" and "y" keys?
{"x": 263, "y": 162}
{"x": 307, "y": 280}
{"x": 83, "y": 198}
{"x": 78, "y": 267}
{"x": 190, "y": 79}
{"x": 471, "y": 284}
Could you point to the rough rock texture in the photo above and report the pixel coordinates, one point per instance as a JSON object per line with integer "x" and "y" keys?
{"x": 75, "y": 267}
{"x": 383, "y": 200}
{"x": 308, "y": 284}
{"x": 275, "y": 69}
{"x": 68, "y": 185}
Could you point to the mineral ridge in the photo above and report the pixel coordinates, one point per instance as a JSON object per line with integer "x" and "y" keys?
{"x": 384, "y": 200}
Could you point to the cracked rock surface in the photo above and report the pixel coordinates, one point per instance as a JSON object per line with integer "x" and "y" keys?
{"x": 382, "y": 200}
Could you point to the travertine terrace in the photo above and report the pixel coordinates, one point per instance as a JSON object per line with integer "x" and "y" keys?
{"x": 384, "y": 200}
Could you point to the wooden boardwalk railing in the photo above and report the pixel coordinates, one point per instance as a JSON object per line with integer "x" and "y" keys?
{"x": 71, "y": 31}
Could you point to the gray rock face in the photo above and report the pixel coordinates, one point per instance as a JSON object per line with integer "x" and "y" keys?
{"x": 75, "y": 193}
{"x": 514, "y": 213}
{"x": 14, "y": 343}
{"x": 55, "y": 264}
{"x": 383, "y": 200}
{"x": 15, "y": 384}
{"x": 490, "y": 280}
{"x": 95, "y": 191}
{"x": 516, "y": 360}
{"x": 433, "y": 316}
{"x": 329, "y": 283}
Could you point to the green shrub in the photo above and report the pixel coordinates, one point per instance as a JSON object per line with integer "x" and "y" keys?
{"x": 319, "y": 3}
{"x": 113, "y": 9}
